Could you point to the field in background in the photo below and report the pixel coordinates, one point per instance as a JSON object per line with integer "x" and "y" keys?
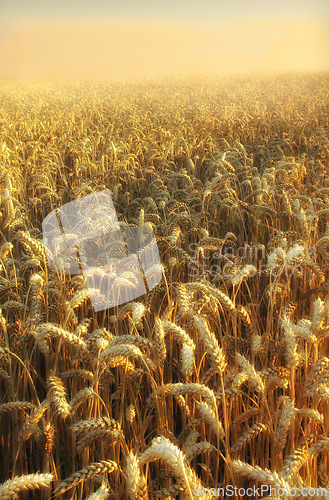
{"x": 220, "y": 375}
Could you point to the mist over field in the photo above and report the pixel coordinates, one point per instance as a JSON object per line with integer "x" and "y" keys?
{"x": 148, "y": 40}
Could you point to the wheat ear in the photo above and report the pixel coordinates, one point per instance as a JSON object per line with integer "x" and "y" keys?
{"x": 92, "y": 470}
{"x": 136, "y": 481}
{"x": 101, "y": 494}
{"x": 11, "y": 487}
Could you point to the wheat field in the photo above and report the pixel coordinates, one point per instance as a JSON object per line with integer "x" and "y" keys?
{"x": 219, "y": 375}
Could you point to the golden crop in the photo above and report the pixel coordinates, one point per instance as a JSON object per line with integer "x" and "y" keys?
{"x": 218, "y": 376}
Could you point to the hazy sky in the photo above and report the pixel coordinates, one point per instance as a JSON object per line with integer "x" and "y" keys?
{"x": 106, "y": 38}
